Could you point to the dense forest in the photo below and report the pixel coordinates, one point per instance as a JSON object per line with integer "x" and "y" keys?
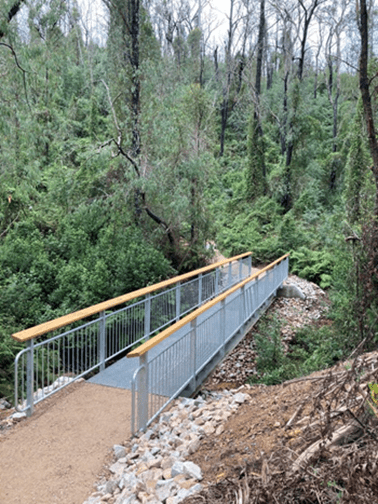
{"x": 123, "y": 155}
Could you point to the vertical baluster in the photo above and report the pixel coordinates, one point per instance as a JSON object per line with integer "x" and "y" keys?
{"x": 102, "y": 341}
{"x": 143, "y": 392}
{"x": 147, "y": 316}
{"x": 200, "y": 290}
{"x": 30, "y": 378}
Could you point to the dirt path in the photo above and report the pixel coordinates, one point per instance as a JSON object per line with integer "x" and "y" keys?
{"x": 55, "y": 456}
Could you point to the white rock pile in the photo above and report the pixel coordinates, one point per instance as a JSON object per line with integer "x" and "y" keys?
{"x": 152, "y": 468}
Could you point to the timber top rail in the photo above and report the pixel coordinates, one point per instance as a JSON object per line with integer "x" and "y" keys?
{"x": 52, "y": 325}
{"x": 145, "y": 347}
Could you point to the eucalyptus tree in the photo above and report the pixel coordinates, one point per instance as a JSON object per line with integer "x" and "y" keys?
{"x": 335, "y": 15}
{"x": 234, "y": 17}
{"x": 296, "y": 18}
{"x": 368, "y": 96}
{"x": 257, "y": 183}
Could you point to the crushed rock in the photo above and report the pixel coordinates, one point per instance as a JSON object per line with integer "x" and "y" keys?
{"x": 293, "y": 313}
{"x": 153, "y": 468}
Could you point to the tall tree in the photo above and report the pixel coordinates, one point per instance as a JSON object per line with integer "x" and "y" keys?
{"x": 257, "y": 184}
{"x": 365, "y": 83}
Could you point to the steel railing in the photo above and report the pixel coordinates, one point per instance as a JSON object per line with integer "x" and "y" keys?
{"x": 163, "y": 374}
{"x": 44, "y": 367}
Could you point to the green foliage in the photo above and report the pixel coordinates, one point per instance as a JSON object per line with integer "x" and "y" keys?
{"x": 314, "y": 265}
{"x": 256, "y": 184}
{"x": 356, "y": 173}
{"x": 311, "y": 350}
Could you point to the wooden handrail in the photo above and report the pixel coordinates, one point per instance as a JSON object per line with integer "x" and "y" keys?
{"x": 145, "y": 347}
{"x": 52, "y": 325}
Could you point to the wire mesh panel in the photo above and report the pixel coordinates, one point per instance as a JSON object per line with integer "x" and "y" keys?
{"x": 55, "y": 362}
{"x": 88, "y": 347}
{"x": 174, "y": 368}
{"x": 208, "y": 338}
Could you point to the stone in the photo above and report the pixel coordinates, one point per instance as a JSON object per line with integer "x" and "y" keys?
{"x": 147, "y": 456}
{"x": 182, "y": 494}
{"x": 117, "y": 468}
{"x": 209, "y": 428}
{"x": 195, "y": 488}
{"x": 290, "y": 291}
{"x": 141, "y": 467}
{"x": 18, "y": 416}
{"x": 192, "y": 470}
{"x": 110, "y": 486}
{"x": 130, "y": 499}
{"x": 177, "y": 468}
{"x": 171, "y": 500}
{"x": 128, "y": 481}
{"x": 187, "y": 483}
{"x": 165, "y": 489}
{"x": 240, "y": 398}
{"x": 167, "y": 463}
{"x": 199, "y": 421}
{"x": 119, "y": 451}
{"x": 219, "y": 430}
{"x": 154, "y": 462}
{"x": 167, "y": 473}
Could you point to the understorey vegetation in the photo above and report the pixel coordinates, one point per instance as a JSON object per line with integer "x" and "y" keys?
{"x": 123, "y": 155}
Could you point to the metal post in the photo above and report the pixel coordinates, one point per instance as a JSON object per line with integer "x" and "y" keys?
{"x": 193, "y": 350}
{"x": 30, "y": 378}
{"x": 178, "y": 301}
{"x": 242, "y": 305}
{"x": 216, "y": 281}
{"x": 240, "y": 269}
{"x": 286, "y": 268}
{"x": 143, "y": 392}
{"x": 223, "y": 326}
{"x": 147, "y": 316}
{"x": 229, "y": 274}
{"x": 249, "y": 265}
{"x": 200, "y": 289}
{"x": 102, "y": 341}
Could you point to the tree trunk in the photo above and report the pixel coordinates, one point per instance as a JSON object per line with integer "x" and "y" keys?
{"x": 366, "y": 98}
{"x": 11, "y": 14}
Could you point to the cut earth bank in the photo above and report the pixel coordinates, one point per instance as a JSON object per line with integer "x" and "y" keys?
{"x": 199, "y": 442}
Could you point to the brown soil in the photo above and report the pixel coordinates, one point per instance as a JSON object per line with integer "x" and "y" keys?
{"x": 256, "y": 429}
{"x": 56, "y": 455}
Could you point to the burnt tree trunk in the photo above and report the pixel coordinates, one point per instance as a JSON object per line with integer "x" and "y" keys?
{"x": 366, "y": 97}
{"x": 11, "y": 14}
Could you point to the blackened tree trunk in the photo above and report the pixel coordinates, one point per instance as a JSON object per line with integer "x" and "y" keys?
{"x": 366, "y": 97}
{"x": 256, "y": 156}
{"x": 11, "y": 14}
{"x": 227, "y": 85}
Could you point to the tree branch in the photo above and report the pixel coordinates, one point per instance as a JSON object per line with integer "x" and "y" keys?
{"x": 19, "y": 66}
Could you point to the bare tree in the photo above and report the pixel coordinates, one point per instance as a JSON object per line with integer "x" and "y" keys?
{"x": 335, "y": 15}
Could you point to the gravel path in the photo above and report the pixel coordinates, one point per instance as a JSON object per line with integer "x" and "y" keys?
{"x": 55, "y": 456}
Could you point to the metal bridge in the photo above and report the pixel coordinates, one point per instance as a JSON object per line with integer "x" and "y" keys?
{"x": 180, "y": 329}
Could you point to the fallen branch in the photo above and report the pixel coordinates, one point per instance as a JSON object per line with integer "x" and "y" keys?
{"x": 336, "y": 436}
